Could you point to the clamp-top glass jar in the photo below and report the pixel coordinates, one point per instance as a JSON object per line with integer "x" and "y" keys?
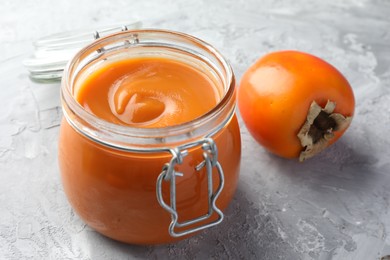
{"x": 146, "y": 184}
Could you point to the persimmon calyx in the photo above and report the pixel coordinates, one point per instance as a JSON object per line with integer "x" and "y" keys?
{"x": 319, "y": 128}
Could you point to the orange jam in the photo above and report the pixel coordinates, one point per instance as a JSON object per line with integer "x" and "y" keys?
{"x": 148, "y": 92}
{"x": 159, "y": 103}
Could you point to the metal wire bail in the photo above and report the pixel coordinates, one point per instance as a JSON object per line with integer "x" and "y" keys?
{"x": 210, "y": 156}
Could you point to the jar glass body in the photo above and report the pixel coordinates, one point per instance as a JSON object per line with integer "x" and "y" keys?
{"x": 109, "y": 172}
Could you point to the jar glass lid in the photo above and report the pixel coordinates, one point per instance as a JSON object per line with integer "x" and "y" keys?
{"x": 52, "y": 53}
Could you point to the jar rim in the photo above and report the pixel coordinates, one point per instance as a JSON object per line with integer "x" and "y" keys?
{"x": 90, "y": 123}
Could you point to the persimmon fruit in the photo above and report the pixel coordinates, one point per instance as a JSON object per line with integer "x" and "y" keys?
{"x": 295, "y": 104}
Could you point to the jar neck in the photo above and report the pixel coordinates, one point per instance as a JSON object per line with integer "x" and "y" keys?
{"x": 137, "y": 43}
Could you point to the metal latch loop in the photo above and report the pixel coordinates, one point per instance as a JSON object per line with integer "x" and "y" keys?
{"x": 210, "y": 156}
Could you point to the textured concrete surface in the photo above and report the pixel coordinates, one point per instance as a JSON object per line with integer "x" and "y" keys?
{"x": 335, "y": 206}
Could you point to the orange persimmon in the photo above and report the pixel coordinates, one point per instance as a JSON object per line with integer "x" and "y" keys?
{"x": 295, "y": 104}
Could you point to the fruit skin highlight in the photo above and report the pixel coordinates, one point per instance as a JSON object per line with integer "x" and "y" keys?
{"x": 289, "y": 93}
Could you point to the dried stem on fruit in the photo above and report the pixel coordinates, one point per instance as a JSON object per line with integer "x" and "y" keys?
{"x": 319, "y": 128}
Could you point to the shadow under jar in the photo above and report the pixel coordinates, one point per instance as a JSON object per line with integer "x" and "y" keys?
{"x": 143, "y": 183}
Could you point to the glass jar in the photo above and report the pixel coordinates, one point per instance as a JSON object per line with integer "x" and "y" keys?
{"x": 149, "y": 185}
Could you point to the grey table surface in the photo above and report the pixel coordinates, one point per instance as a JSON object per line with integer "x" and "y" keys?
{"x": 334, "y": 206}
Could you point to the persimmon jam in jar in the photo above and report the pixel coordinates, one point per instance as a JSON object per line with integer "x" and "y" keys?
{"x": 149, "y": 146}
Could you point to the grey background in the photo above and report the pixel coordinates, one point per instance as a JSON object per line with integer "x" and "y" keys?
{"x": 334, "y": 206}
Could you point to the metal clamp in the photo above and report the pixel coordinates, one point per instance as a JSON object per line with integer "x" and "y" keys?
{"x": 169, "y": 173}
